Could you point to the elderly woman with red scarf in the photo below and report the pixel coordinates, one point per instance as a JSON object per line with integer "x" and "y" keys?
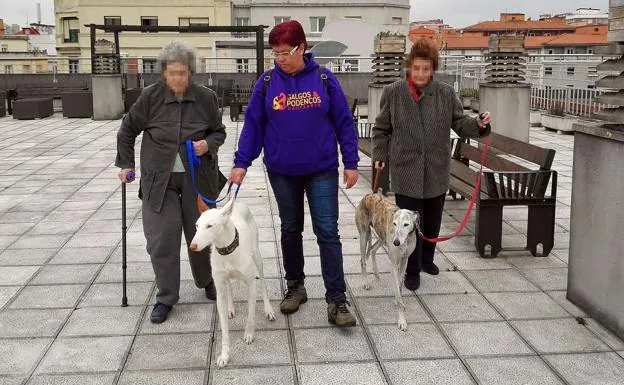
{"x": 415, "y": 119}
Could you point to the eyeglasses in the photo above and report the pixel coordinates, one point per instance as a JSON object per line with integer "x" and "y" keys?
{"x": 284, "y": 54}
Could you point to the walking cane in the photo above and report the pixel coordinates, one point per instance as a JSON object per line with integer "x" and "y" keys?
{"x": 124, "y": 297}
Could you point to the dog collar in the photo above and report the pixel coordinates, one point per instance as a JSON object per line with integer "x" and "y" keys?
{"x": 229, "y": 249}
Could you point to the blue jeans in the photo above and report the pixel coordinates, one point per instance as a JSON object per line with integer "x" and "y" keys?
{"x": 322, "y": 192}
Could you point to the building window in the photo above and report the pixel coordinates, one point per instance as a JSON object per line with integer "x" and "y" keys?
{"x": 548, "y": 71}
{"x": 194, "y": 22}
{"x": 281, "y": 19}
{"x": 534, "y": 73}
{"x": 354, "y": 17}
{"x": 570, "y": 51}
{"x": 4, "y": 48}
{"x": 26, "y": 68}
{"x": 39, "y": 68}
{"x": 570, "y": 71}
{"x": 351, "y": 65}
{"x": 112, "y": 20}
{"x": 397, "y": 20}
{"x": 71, "y": 29}
{"x": 317, "y": 24}
{"x": 590, "y": 51}
{"x": 150, "y": 66}
{"x": 149, "y": 21}
{"x": 592, "y": 71}
{"x": 242, "y": 65}
{"x": 550, "y": 52}
{"x": 73, "y": 66}
{"x": 8, "y": 69}
{"x": 241, "y": 22}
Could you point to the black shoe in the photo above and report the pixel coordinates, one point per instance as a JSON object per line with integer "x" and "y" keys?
{"x": 412, "y": 282}
{"x": 430, "y": 268}
{"x": 159, "y": 313}
{"x": 211, "y": 291}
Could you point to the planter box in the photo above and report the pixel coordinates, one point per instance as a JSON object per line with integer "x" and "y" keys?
{"x": 390, "y": 44}
{"x": 559, "y": 123}
{"x": 465, "y": 100}
{"x": 474, "y": 104}
{"x": 535, "y": 118}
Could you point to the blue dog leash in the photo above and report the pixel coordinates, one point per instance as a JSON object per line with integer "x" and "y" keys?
{"x": 194, "y": 161}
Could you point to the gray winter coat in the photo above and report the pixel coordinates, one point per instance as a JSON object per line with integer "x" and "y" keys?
{"x": 419, "y": 137}
{"x": 166, "y": 124}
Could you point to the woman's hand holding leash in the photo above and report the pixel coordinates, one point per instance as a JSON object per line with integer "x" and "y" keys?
{"x": 483, "y": 120}
{"x": 237, "y": 175}
{"x": 200, "y": 147}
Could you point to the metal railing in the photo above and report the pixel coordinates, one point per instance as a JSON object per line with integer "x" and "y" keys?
{"x": 573, "y": 101}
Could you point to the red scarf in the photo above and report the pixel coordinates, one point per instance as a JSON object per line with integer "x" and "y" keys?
{"x": 416, "y": 92}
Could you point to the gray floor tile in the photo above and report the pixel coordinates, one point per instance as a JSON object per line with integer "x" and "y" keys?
{"x": 20, "y": 356}
{"x": 171, "y": 351}
{"x": 499, "y": 281}
{"x": 169, "y": 377}
{"x": 23, "y": 257}
{"x": 53, "y": 227}
{"x": 452, "y": 282}
{"x": 65, "y": 274}
{"x": 68, "y": 255}
{"x": 311, "y": 314}
{"x": 74, "y": 379}
{"x": 347, "y": 374}
{"x": 79, "y": 355}
{"x": 320, "y": 345}
{"x": 15, "y": 228}
{"x": 418, "y": 341}
{"x": 548, "y": 279}
{"x": 7, "y": 240}
{"x": 16, "y": 275}
{"x": 526, "y": 305}
{"x": 560, "y": 298}
{"x": 102, "y": 321}
{"x": 485, "y": 338}
{"x": 460, "y": 307}
{"x": 559, "y": 336}
{"x": 512, "y": 371}
{"x": 268, "y": 347}
{"x": 473, "y": 261}
{"x": 282, "y": 375}
{"x": 135, "y": 272}
{"x": 531, "y": 262}
{"x": 94, "y": 240}
{"x": 589, "y": 369}
{"x": 182, "y": 319}
{"x": 31, "y": 323}
{"x": 53, "y": 296}
{"x": 6, "y": 293}
{"x": 379, "y": 287}
{"x": 41, "y": 241}
{"x": 426, "y": 372}
{"x": 384, "y": 310}
{"x": 13, "y": 380}
{"x": 109, "y": 294}
{"x": 137, "y": 254}
{"x": 605, "y": 335}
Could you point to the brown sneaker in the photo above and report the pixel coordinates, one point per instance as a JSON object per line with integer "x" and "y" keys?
{"x": 339, "y": 315}
{"x": 295, "y": 295}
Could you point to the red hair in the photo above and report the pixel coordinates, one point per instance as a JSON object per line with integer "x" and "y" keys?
{"x": 289, "y": 32}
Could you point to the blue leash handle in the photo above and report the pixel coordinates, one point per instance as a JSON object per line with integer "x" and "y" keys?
{"x": 194, "y": 161}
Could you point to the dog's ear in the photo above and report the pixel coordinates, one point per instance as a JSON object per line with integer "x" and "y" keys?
{"x": 227, "y": 209}
{"x": 201, "y": 205}
{"x": 416, "y": 218}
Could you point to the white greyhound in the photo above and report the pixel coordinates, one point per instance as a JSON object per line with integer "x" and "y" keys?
{"x": 232, "y": 234}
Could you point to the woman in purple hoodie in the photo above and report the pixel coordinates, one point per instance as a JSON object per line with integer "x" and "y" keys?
{"x": 298, "y": 114}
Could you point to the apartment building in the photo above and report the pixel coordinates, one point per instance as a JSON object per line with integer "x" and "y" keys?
{"x": 73, "y": 38}
{"x": 17, "y": 56}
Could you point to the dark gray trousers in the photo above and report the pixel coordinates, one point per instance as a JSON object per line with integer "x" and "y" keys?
{"x": 163, "y": 232}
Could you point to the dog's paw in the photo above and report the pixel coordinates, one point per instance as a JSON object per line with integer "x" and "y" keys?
{"x": 270, "y": 314}
{"x": 366, "y": 286}
{"x": 231, "y": 314}
{"x": 222, "y": 361}
{"x": 402, "y": 324}
{"x": 248, "y": 337}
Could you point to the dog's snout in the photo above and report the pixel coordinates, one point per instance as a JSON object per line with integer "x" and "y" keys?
{"x": 396, "y": 242}
{"x": 193, "y": 246}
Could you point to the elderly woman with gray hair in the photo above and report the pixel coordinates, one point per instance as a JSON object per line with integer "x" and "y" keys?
{"x": 168, "y": 114}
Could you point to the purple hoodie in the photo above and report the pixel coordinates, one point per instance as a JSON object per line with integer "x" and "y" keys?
{"x": 298, "y": 123}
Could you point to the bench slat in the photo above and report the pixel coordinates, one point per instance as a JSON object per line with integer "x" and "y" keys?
{"x": 538, "y": 155}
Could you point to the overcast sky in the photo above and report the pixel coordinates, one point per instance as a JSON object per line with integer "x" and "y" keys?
{"x": 457, "y": 13}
